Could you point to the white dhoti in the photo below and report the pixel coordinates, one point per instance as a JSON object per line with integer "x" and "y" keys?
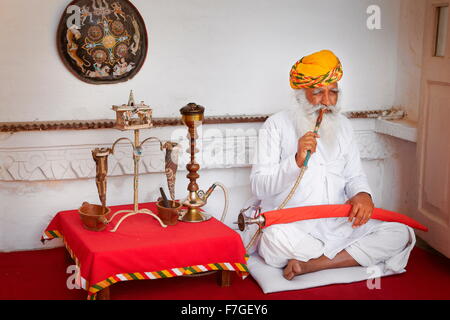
{"x": 376, "y": 242}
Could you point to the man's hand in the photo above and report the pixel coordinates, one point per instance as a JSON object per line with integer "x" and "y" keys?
{"x": 305, "y": 143}
{"x": 362, "y": 208}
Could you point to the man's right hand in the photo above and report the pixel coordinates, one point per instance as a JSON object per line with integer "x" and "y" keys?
{"x": 306, "y": 143}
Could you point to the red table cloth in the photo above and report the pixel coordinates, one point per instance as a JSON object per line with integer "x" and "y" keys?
{"x": 142, "y": 249}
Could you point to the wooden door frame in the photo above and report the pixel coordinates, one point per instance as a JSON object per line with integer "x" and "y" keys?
{"x": 436, "y": 224}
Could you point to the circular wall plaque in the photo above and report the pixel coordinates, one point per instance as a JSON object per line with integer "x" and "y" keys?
{"x": 102, "y": 41}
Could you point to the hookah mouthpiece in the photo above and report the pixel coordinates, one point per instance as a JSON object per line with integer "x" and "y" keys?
{"x": 322, "y": 111}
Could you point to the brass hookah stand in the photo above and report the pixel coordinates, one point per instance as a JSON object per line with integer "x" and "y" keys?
{"x": 192, "y": 117}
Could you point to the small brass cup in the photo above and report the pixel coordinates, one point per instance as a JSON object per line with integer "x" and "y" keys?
{"x": 93, "y": 217}
{"x": 169, "y": 215}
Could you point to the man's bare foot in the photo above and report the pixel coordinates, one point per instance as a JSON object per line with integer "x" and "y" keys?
{"x": 294, "y": 268}
{"x": 342, "y": 260}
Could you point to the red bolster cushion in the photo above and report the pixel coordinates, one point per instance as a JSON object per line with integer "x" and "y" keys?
{"x": 334, "y": 211}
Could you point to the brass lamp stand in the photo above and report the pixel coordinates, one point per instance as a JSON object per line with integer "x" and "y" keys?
{"x": 137, "y": 153}
{"x": 134, "y": 117}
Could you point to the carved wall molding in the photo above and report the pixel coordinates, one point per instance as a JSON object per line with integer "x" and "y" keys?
{"x": 223, "y": 150}
{"x": 165, "y": 122}
{"x": 373, "y": 146}
{"x": 109, "y": 123}
{"x": 71, "y": 162}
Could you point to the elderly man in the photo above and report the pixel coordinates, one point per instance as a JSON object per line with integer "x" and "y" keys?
{"x": 334, "y": 176}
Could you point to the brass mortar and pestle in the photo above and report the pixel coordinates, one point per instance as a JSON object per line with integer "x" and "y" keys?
{"x": 168, "y": 210}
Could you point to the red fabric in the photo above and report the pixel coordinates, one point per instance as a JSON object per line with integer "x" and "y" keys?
{"x": 334, "y": 211}
{"x": 42, "y": 275}
{"x": 142, "y": 245}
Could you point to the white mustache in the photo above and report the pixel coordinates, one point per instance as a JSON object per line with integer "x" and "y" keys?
{"x": 317, "y": 108}
{"x": 311, "y": 110}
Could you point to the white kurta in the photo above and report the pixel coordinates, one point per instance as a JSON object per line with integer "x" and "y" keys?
{"x": 334, "y": 175}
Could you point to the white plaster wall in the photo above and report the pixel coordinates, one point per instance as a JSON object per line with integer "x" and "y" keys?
{"x": 391, "y": 168}
{"x": 41, "y": 175}
{"x": 28, "y": 207}
{"x": 399, "y": 189}
{"x": 410, "y": 54}
{"x": 231, "y": 56}
{"x": 30, "y": 195}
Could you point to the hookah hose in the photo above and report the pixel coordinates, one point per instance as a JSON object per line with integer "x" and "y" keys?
{"x": 305, "y": 163}
{"x": 297, "y": 182}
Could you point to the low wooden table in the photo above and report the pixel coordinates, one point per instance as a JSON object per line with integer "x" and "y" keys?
{"x": 141, "y": 249}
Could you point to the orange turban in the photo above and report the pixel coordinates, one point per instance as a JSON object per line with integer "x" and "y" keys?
{"x": 316, "y": 70}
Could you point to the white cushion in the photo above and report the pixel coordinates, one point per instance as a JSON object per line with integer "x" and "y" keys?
{"x": 271, "y": 279}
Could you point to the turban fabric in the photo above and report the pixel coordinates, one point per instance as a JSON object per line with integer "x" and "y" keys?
{"x": 316, "y": 70}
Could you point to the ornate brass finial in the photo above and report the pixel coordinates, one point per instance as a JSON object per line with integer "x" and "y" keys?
{"x": 131, "y": 99}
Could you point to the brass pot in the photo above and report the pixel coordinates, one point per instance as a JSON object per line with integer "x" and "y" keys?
{"x": 93, "y": 217}
{"x": 169, "y": 215}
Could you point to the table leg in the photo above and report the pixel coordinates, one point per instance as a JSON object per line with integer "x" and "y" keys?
{"x": 224, "y": 278}
{"x": 104, "y": 294}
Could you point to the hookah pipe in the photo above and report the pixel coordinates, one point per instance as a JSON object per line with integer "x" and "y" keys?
{"x": 192, "y": 116}
{"x": 258, "y": 218}
{"x": 305, "y": 163}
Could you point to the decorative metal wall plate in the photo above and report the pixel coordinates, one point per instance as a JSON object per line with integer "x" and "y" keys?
{"x": 102, "y": 41}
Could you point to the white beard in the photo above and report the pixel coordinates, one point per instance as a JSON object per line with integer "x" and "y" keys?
{"x": 305, "y": 115}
